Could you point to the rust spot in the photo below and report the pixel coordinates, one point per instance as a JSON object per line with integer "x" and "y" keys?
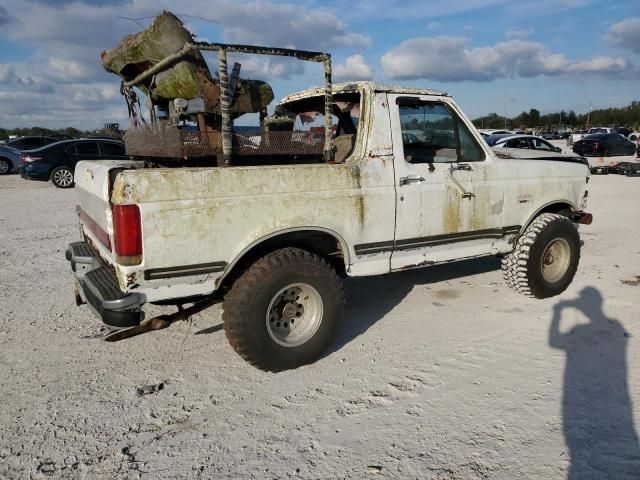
{"x": 481, "y": 208}
{"x": 418, "y": 265}
{"x": 360, "y": 207}
{"x": 451, "y": 217}
{"x": 131, "y": 280}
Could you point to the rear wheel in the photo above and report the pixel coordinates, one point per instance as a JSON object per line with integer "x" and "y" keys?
{"x": 545, "y": 259}
{"x": 284, "y": 310}
{"x": 62, "y": 177}
{"x": 5, "y": 166}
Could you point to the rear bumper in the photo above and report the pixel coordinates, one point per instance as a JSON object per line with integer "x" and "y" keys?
{"x": 98, "y": 286}
{"x": 34, "y": 171}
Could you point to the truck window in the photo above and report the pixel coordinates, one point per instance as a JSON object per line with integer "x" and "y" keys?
{"x": 431, "y": 133}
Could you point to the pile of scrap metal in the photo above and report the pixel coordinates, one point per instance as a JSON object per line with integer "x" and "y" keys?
{"x": 191, "y": 113}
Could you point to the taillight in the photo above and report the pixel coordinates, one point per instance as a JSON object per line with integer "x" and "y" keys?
{"x": 29, "y": 158}
{"x": 127, "y": 234}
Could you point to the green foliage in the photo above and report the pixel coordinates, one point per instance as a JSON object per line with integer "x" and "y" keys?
{"x": 628, "y": 116}
{"x": 5, "y": 133}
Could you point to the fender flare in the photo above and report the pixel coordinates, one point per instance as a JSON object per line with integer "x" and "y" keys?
{"x": 344, "y": 246}
{"x": 563, "y": 202}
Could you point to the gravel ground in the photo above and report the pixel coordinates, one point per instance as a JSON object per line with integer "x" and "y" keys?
{"x": 441, "y": 373}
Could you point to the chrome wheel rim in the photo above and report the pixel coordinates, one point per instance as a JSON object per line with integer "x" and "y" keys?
{"x": 63, "y": 177}
{"x": 4, "y": 167}
{"x": 294, "y": 315}
{"x": 555, "y": 260}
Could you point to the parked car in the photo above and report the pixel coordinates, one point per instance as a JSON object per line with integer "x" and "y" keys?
{"x": 593, "y": 130}
{"x": 490, "y": 131}
{"x": 633, "y": 136}
{"x": 575, "y": 136}
{"x": 492, "y": 139}
{"x": 550, "y": 135}
{"x": 604, "y": 144}
{"x": 57, "y": 161}
{"x": 630, "y": 169}
{"x": 9, "y": 159}
{"x": 525, "y": 141}
{"x": 30, "y": 143}
{"x": 409, "y": 138}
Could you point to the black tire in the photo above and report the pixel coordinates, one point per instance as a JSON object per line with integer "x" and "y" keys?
{"x": 523, "y": 268}
{"x": 62, "y": 177}
{"x": 247, "y": 311}
{"x": 5, "y": 166}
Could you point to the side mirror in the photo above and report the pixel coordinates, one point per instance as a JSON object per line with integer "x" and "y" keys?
{"x": 558, "y": 149}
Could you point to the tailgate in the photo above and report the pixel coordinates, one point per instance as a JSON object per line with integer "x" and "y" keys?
{"x": 93, "y": 191}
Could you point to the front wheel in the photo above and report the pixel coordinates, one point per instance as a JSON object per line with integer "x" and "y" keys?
{"x": 62, "y": 177}
{"x": 284, "y": 310}
{"x": 545, "y": 258}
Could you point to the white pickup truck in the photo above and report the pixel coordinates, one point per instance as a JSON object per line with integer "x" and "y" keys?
{"x": 274, "y": 241}
{"x": 382, "y": 179}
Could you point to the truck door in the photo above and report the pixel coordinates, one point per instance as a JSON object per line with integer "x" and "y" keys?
{"x": 448, "y": 204}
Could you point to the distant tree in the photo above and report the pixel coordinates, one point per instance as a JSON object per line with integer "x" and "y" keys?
{"x": 628, "y": 116}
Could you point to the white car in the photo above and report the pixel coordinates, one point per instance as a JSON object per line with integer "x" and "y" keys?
{"x": 530, "y": 142}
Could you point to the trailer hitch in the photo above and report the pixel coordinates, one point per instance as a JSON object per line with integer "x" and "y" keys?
{"x": 162, "y": 321}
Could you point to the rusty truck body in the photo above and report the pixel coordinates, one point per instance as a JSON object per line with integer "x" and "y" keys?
{"x": 408, "y": 182}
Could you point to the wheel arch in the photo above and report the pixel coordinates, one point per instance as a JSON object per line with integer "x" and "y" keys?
{"x": 555, "y": 206}
{"x": 322, "y": 241}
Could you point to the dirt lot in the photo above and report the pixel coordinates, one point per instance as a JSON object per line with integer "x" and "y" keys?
{"x": 441, "y": 373}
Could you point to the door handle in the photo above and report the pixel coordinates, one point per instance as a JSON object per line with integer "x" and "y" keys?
{"x": 411, "y": 179}
{"x": 462, "y": 166}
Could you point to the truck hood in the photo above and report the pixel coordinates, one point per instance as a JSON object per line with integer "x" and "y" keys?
{"x": 527, "y": 154}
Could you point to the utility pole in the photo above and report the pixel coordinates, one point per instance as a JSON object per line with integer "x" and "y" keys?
{"x": 505, "y": 112}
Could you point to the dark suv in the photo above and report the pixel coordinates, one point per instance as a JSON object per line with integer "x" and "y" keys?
{"x": 57, "y": 162}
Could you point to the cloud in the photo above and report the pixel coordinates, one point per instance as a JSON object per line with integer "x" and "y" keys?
{"x": 7, "y": 73}
{"x": 62, "y": 3}
{"x": 4, "y": 15}
{"x": 354, "y": 68}
{"x": 451, "y": 59}
{"x": 626, "y": 34}
{"x": 260, "y": 67}
{"x": 439, "y": 9}
{"x": 270, "y": 24}
{"x": 511, "y": 34}
{"x": 9, "y": 76}
{"x": 63, "y": 73}
{"x": 401, "y": 9}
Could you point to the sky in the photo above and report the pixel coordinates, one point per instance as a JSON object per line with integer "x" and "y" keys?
{"x": 488, "y": 54}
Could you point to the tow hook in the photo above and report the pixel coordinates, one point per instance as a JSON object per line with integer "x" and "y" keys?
{"x": 583, "y": 218}
{"x": 161, "y": 321}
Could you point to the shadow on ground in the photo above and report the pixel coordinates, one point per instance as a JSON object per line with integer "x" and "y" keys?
{"x": 370, "y": 298}
{"x": 597, "y": 411}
